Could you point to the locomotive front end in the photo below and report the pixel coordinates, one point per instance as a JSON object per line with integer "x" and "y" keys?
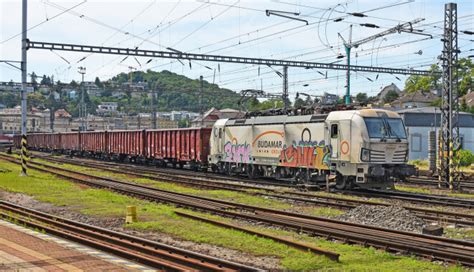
{"x": 383, "y": 153}
{"x": 370, "y": 148}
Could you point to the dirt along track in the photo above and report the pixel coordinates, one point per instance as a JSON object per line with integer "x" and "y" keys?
{"x": 307, "y": 198}
{"x": 150, "y": 253}
{"x": 435, "y": 248}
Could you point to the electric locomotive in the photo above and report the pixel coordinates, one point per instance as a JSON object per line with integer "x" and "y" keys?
{"x": 364, "y": 148}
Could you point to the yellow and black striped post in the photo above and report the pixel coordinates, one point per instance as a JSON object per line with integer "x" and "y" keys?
{"x": 451, "y": 166}
{"x": 24, "y": 156}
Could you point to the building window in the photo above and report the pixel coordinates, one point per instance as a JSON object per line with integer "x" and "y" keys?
{"x": 416, "y": 142}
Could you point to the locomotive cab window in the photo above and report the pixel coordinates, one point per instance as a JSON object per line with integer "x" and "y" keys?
{"x": 334, "y": 131}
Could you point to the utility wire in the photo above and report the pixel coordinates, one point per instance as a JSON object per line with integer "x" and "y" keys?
{"x": 45, "y": 21}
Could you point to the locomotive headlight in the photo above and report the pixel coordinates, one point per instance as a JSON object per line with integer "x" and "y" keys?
{"x": 365, "y": 155}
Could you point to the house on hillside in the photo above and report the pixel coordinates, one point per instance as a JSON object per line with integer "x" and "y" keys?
{"x": 385, "y": 90}
{"x": 418, "y": 99}
{"x": 211, "y": 116}
{"x": 468, "y": 99}
{"x": 107, "y": 108}
{"x": 92, "y": 89}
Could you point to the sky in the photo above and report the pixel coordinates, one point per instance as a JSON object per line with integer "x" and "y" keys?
{"x": 233, "y": 28}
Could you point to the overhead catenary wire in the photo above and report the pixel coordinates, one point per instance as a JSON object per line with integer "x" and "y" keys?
{"x": 66, "y": 10}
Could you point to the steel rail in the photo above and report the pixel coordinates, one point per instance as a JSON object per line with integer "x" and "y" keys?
{"x": 415, "y": 197}
{"x": 145, "y": 251}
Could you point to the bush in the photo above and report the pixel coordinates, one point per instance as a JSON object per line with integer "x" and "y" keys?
{"x": 419, "y": 163}
{"x": 466, "y": 157}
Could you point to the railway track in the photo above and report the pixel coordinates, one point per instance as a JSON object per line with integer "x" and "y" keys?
{"x": 440, "y": 200}
{"x": 431, "y": 247}
{"x": 171, "y": 172}
{"x": 308, "y": 198}
{"x": 467, "y": 185}
{"x": 150, "y": 253}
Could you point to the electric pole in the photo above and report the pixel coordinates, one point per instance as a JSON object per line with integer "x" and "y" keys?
{"x": 449, "y": 132}
{"x": 83, "y": 107}
{"x": 153, "y": 107}
{"x": 348, "y": 45}
{"x": 24, "y": 43}
{"x": 201, "y": 108}
{"x": 286, "y": 100}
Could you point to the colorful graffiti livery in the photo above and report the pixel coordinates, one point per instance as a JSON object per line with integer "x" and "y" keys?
{"x": 234, "y": 152}
{"x": 306, "y": 154}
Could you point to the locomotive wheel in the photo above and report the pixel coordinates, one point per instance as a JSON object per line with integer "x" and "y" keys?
{"x": 302, "y": 177}
{"x": 250, "y": 170}
{"x": 228, "y": 169}
{"x": 344, "y": 183}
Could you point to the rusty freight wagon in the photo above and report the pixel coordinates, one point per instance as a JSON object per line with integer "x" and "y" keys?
{"x": 179, "y": 146}
{"x": 162, "y": 146}
{"x": 125, "y": 144}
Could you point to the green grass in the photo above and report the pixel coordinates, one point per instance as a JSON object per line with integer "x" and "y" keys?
{"x": 238, "y": 197}
{"x": 421, "y": 164}
{"x": 459, "y": 233}
{"x": 424, "y": 165}
{"x": 159, "y": 217}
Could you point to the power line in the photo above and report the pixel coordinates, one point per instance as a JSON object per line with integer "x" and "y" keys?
{"x": 45, "y": 21}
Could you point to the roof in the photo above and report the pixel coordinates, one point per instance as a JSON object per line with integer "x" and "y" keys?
{"x": 229, "y": 110}
{"x": 431, "y": 116}
{"x": 62, "y": 113}
{"x": 430, "y": 110}
{"x": 418, "y": 96}
{"x": 469, "y": 98}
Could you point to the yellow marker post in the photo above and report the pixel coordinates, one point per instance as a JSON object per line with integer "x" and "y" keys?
{"x": 131, "y": 216}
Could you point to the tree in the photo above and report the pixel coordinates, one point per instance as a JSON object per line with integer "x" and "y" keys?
{"x": 34, "y": 80}
{"x": 390, "y": 96}
{"x": 98, "y": 83}
{"x": 183, "y": 123}
{"x": 433, "y": 82}
{"x": 46, "y": 80}
{"x": 466, "y": 75}
{"x": 362, "y": 98}
{"x": 73, "y": 84}
{"x": 299, "y": 103}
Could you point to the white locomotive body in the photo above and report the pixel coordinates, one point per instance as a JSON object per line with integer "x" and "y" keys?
{"x": 361, "y": 148}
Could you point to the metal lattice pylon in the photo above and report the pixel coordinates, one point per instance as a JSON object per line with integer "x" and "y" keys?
{"x": 449, "y": 133}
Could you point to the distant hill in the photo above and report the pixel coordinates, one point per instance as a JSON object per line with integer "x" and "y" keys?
{"x": 174, "y": 92}
{"x": 177, "y": 92}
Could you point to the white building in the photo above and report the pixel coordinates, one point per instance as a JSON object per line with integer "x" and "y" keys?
{"x": 107, "y": 108}
{"x": 420, "y": 121}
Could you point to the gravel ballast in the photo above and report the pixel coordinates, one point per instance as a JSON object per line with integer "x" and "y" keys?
{"x": 390, "y": 217}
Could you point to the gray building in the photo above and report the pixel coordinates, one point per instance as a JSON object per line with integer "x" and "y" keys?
{"x": 420, "y": 121}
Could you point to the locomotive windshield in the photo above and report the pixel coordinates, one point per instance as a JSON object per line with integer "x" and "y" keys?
{"x": 391, "y": 128}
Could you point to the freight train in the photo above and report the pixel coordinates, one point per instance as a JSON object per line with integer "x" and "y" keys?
{"x": 365, "y": 148}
